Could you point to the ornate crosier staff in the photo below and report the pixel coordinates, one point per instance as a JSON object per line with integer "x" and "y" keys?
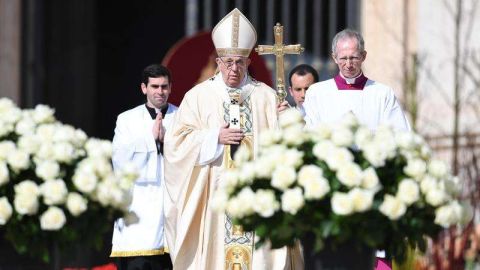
{"x": 279, "y": 50}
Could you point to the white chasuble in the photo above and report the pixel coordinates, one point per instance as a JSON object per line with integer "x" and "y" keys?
{"x": 196, "y": 235}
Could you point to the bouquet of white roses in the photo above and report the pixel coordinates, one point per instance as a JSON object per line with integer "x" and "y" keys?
{"x": 341, "y": 183}
{"x": 56, "y": 184}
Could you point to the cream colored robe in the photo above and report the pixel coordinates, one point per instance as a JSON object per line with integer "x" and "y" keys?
{"x": 195, "y": 233}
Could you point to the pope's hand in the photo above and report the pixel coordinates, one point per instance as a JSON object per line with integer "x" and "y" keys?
{"x": 157, "y": 130}
{"x": 282, "y": 106}
{"x": 230, "y": 135}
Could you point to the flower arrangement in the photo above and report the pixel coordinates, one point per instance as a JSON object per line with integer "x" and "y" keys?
{"x": 341, "y": 183}
{"x": 56, "y": 184}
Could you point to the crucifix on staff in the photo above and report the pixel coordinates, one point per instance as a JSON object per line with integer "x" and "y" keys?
{"x": 279, "y": 49}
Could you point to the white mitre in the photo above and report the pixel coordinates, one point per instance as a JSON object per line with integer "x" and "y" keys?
{"x": 234, "y": 35}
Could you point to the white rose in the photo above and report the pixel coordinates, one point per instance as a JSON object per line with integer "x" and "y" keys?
{"x": 45, "y": 132}
{"x": 375, "y": 153}
{"x": 438, "y": 168}
{"x": 453, "y": 213}
{"x": 25, "y": 126}
{"x": 64, "y": 133}
{"x": 292, "y": 200}
{"x": 63, "y": 152}
{"x": 283, "y": 177}
{"x": 290, "y": 117}
{"x": 294, "y": 135}
{"x": 316, "y": 188}
{"x": 54, "y": 192}
{"x": 428, "y": 183}
{"x": 43, "y": 114}
{"x": 229, "y": 180}
{"x": 85, "y": 181}
{"x": 291, "y": 158}
{"x": 235, "y": 208}
{"x": 392, "y": 207}
{"x": 436, "y": 197}
{"x": 342, "y": 136}
{"x": 27, "y": 187}
{"x": 247, "y": 198}
{"x": 98, "y": 148}
{"x": 265, "y": 203}
{"x": 362, "y": 200}
{"x": 370, "y": 179}
{"x": 6, "y": 105}
{"x": 405, "y": 140}
{"x": 363, "y": 136}
{"x": 408, "y": 191}
{"x": 242, "y": 155}
{"x": 6, "y": 147}
{"x": 47, "y": 169}
{"x": 246, "y": 174}
{"x": 25, "y": 204}
{"x": 102, "y": 166}
{"x": 323, "y": 149}
{"x": 5, "y": 210}
{"x": 451, "y": 186}
{"x": 341, "y": 204}
{"x": 309, "y": 172}
{"x": 4, "y": 174}
{"x": 349, "y": 120}
{"x": 416, "y": 168}
{"x": 29, "y": 143}
{"x": 322, "y": 132}
{"x": 5, "y": 128}
{"x": 269, "y": 137}
{"x": 338, "y": 158}
{"x": 12, "y": 116}
{"x": 45, "y": 150}
{"x": 53, "y": 219}
{"x": 76, "y": 204}
{"x": 350, "y": 174}
{"x": 18, "y": 160}
{"x": 264, "y": 166}
{"x": 79, "y": 138}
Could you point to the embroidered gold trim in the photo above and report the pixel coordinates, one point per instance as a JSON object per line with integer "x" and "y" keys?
{"x": 235, "y": 28}
{"x": 233, "y": 51}
{"x": 132, "y": 253}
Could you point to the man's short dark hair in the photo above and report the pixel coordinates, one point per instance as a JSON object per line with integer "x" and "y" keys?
{"x": 302, "y": 70}
{"x": 155, "y": 71}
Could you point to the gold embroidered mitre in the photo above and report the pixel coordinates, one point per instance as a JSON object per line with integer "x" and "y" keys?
{"x": 234, "y": 35}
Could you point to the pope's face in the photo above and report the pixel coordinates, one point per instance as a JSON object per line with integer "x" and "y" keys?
{"x": 157, "y": 91}
{"x": 233, "y": 69}
{"x": 299, "y": 86}
{"x": 348, "y": 59}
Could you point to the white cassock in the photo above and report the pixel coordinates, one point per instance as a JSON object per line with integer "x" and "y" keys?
{"x": 328, "y": 101}
{"x": 133, "y": 142}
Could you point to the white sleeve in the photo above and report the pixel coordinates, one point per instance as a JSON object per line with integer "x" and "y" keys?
{"x": 211, "y": 149}
{"x": 309, "y": 110}
{"x": 394, "y": 115}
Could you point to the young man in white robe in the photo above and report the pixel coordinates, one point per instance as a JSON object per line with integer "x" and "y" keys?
{"x": 214, "y": 117}
{"x": 300, "y": 79}
{"x": 371, "y": 102}
{"x": 139, "y": 134}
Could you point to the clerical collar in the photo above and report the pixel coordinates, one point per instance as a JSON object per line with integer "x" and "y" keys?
{"x": 357, "y": 83}
{"x": 154, "y": 111}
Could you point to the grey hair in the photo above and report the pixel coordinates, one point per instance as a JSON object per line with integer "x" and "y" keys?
{"x": 348, "y": 33}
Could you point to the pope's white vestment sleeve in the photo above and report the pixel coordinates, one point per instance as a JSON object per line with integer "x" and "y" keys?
{"x": 211, "y": 149}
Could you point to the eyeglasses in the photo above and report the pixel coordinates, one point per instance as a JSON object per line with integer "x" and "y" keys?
{"x": 241, "y": 63}
{"x": 352, "y": 59}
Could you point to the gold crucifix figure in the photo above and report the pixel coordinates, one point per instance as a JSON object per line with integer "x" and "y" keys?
{"x": 279, "y": 50}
